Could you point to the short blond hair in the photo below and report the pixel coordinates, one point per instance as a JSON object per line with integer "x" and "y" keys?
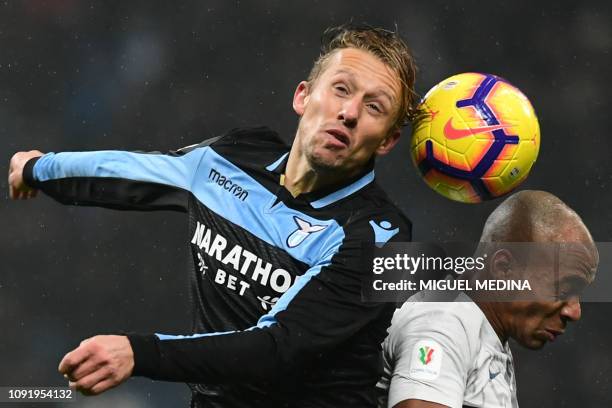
{"x": 385, "y": 45}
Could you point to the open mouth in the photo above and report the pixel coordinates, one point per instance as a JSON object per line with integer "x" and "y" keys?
{"x": 340, "y": 136}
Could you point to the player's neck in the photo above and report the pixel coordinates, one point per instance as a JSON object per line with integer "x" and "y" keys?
{"x": 300, "y": 177}
{"x": 493, "y": 315}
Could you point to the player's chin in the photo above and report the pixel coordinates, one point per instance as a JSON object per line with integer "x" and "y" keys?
{"x": 535, "y": 342}
{"x": 328, "y": 160}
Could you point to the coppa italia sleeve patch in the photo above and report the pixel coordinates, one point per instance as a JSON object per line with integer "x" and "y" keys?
{"x": 426, "y": 360}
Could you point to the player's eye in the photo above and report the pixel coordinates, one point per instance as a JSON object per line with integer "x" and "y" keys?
{"x": 374, "y": 107}
{"x": 341, "y": 89}
{"x": 566, "y": 293}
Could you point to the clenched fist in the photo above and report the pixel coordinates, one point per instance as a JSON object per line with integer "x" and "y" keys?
{"x": 98, "y": 364}
{"x": 18, "y": 190}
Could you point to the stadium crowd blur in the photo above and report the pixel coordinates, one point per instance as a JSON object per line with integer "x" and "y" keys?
{"x": 91, "y": 75}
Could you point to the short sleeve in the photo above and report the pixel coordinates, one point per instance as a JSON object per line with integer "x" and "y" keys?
{"x": 431, "y": 353}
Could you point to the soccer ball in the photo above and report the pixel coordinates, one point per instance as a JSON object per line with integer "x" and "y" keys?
{"x": 475, "y": 138}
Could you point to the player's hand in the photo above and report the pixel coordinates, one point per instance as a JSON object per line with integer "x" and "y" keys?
{"x": 98, "y": 364}
{"x": 18, "y": 190}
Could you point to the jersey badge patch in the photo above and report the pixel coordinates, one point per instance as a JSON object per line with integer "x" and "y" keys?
{"x": 302, "y": 232}
{"x": 426, "y": 360}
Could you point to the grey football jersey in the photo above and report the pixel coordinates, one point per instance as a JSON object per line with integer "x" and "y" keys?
{"x": 448, "y": 353}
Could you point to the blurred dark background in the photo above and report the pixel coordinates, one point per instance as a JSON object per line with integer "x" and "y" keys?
{"x": 91, "y": 75}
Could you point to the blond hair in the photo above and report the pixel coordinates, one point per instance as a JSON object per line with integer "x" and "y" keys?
{"x": 383, "y": 44}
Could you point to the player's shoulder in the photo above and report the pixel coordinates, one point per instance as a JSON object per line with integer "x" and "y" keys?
{"x": 251, "y": 147}
{"x": 373, "y": 217}
{"x": 250, "y": 136}
{"x": 455, "y": 317}
{"x": 245, "y": 139}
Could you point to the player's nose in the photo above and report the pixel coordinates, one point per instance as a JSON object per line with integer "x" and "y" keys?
{"x": 571, "y": 310}
{"x": 349, "y": 112}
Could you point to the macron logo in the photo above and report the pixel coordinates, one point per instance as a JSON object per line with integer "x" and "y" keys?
{"x": 228, "y": 184}
{"x": 304, "y": 230}
{"x": 383, "y": 232}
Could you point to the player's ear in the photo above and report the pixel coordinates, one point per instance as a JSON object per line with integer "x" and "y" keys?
{"x": 388, "y": 142}
{"x": 501, "y": 264}
{"x": 300, "y": 97}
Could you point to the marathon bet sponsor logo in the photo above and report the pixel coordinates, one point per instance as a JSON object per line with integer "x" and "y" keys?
{"x": 228, "y": 184}
{"x": 426, "y": 360}
{"x": 202, "y": 264}
{"x": 267, "y": 301}
{"x": 240, "y": 267}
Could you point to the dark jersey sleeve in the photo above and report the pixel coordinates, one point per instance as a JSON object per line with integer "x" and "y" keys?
{"x": 322, "y": 310}
{"x": 117, "y": 179}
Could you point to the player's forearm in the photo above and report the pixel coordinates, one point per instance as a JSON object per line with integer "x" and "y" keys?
{"x": 251, "y": 356}
{"x": 114, "y": 179}
{"x": 274, "y": 353}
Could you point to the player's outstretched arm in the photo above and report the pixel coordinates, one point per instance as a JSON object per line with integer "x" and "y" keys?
{"x": 113, "y": 179}
{"x": 18, "y": 189}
